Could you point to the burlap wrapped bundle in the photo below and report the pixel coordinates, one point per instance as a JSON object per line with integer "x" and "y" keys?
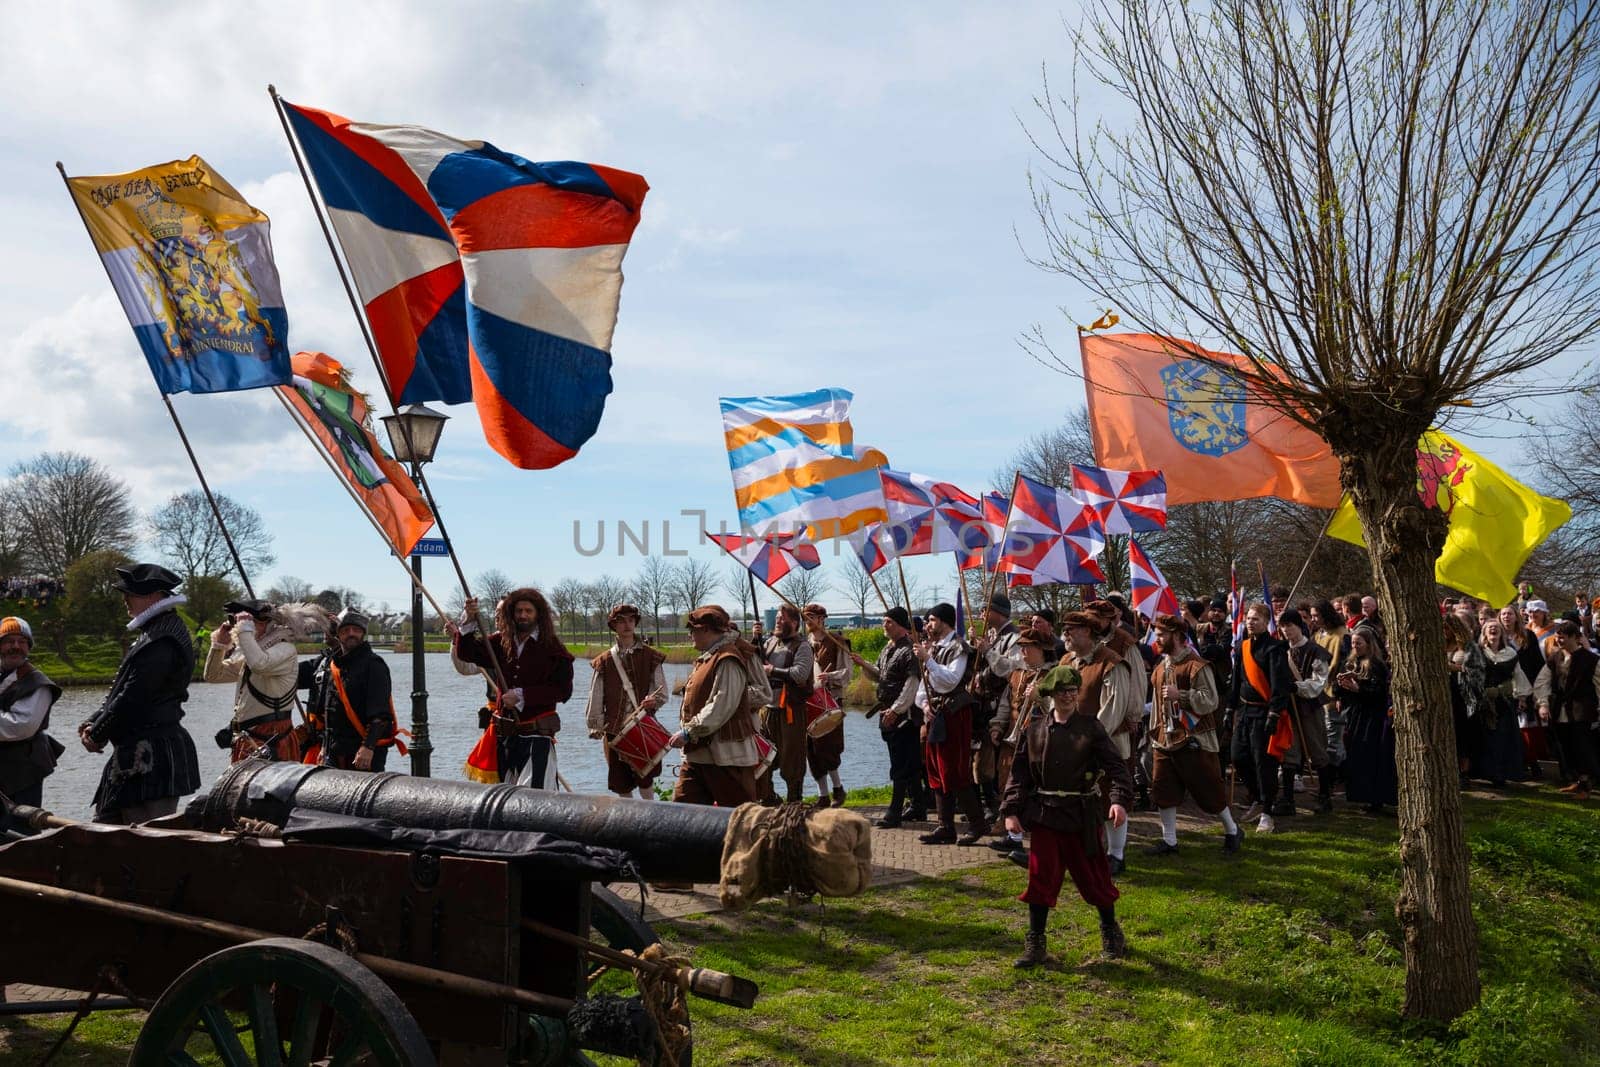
{"x": 794, "y": 847}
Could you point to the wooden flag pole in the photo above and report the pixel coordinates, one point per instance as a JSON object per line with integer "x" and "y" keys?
{"x": 1311, "y": 555}
{"x": 873, "y": 578}
{"x": 319, "y": 209}
{"x": 177, "y": 424}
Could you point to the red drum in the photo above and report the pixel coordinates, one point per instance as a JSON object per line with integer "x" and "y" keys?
{"x": 641, "y": 743}
{"x": 766, "y": 753}
{"x": 823, "y": 714}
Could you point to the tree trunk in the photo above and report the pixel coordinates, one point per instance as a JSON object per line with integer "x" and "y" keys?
{"x": 1404, "y": 538}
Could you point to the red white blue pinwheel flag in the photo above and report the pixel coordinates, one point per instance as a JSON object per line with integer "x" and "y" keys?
{"x": 1152, "y": 595}
{"x": 995, "y": 508}
{"x": 928, "y": 517}
{"x": 769, "y": 559}
{"x": 1050, "y": 538}
{"x": 1124, "y": 501}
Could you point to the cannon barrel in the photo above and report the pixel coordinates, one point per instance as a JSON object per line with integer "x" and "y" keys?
{"x": 668, "y": 842}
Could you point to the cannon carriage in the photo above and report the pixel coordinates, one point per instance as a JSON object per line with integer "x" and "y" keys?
{"x": 303, "y": 915}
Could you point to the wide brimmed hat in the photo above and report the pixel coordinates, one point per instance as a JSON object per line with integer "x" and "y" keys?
{"x": 1171, "y": 624}
{"x": 1103, "y": 610}
{"x": 143, "y": 578}
{"x": 259, "y": 609}
{"x": 709, "y": 617}
{"x": 1030, "y": 639}
{"x": 1079, "y": 618}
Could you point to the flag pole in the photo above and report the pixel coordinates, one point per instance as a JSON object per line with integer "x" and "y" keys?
{"x": 1310, "y": 555}
{"x": 216, "y": 511}
{"x": 873, "y": 578}
{"x": 318, "y": 208}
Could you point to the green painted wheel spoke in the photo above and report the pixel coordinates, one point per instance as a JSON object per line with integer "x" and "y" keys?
{"x": 219, "y": 1027}
{"x": 264, "y": 1027}
{"x": 303, "y": 1033}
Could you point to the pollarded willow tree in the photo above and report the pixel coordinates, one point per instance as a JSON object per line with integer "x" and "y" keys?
{"x": 1390, "y": 207}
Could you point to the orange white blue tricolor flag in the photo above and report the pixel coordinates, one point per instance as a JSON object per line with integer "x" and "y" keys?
{"x": 191, "y": 263}
{"x": 485, "y": 277}
{"x": 796, "y": 467}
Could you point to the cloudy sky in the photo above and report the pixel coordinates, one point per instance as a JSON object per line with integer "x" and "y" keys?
{"x": 837, "y": 197}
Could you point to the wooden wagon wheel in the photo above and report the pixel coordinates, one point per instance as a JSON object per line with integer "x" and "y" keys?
{"x": 615, "y": 922}
{"x": 338, "y": 1011}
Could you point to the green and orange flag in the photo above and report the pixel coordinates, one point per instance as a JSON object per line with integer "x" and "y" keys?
{"x": 341, "y": 421}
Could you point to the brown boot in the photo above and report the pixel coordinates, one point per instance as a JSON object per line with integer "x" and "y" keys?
{"x": 1112, "y": 943}
{"x": 822, "y": 802}
{"x": 838, "y": 796}
{"x": 1033, "y": 952}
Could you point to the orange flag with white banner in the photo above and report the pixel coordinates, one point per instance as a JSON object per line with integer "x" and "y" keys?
{"x": 1153, "y": 407}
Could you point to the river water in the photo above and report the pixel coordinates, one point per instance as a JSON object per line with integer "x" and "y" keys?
{"x": 453, "y": 702}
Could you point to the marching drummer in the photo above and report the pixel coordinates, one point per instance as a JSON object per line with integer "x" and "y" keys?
{"x": 629, "y": 685}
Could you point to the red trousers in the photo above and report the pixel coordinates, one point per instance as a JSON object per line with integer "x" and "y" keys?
{"x": 1052, "y": 854}
{"x": 949, "y": 762}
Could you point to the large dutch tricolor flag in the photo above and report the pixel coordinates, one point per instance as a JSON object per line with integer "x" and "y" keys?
{"x": 485, "y": 277}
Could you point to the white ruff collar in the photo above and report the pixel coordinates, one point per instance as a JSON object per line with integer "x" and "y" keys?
{"x": 156, "y": 609}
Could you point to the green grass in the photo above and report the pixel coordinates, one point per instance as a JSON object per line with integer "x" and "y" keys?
{"x": 1288, "y": 954}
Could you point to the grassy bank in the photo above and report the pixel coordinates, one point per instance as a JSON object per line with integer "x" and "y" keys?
{"x": 1288, "y": 954}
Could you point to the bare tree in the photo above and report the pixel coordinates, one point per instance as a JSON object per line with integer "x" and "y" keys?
{"x": 736, "y": 584}
{"x": 803, "y": 586}
{"x": 490, "y": 586}
{"x": 694, "y": 581}
{"x": 567, "y": 599}
{"x": 855, "y": 584}
{"x": 290, "y": 590}
{"x": 1388, "y": 209}
{"x": 652, "y": 588}
{"x": 609, "y": 591}
{"x": 66, "y": 506}
{"x": 186, "y": 534}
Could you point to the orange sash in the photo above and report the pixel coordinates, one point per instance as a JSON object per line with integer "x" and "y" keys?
{"x": 1282, "y": 738}
{"x": 355, "y": 720}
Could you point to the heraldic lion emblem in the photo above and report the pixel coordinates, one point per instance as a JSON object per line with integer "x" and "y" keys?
{"x": 1205, "y": 407}
{"x": 198, "y": 285}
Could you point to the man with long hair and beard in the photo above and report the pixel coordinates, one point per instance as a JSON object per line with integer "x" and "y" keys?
{"x": 533, "y": 671}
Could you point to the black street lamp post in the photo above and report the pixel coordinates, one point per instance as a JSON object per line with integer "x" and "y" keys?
{"x": 414, "y": 435}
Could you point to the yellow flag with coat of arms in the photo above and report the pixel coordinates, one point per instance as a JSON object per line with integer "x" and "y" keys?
{"x": 1495, "y": 521}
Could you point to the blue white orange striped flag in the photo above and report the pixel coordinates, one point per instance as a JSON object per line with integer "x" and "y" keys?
{"x": 796, "y": 467}
{"x": 484, "y": 276}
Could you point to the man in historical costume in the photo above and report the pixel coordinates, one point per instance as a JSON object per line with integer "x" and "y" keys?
{"x": 351, "y": 699}
{"x": 1262, "y": 690}
{"x": 1043, "y": 623}
{"x": 1329, "y": 631}
{"x": 1183, "y": 738}
{"x": 997, "y": 658}
{"x": 1065, "y": 767}
{"x": 254, "y": 649}
{"x": 1111, "y": 692}
{"x": 790, "y": 671}
{"x": 717, "y": 723}
{"x": 527, "y": 660}
{"x": 1020, "y": 704}
{"x": 831, "y": 672}
{"x": 1310, "y": 665}
{"x": 27, "y": 751}
{"x": 1111, "y": 630}
{"x": 1574, "y": 708}
{"x": 946, "y": 701}
{"x": 153, "y": 761}
{"x": 896, "y": 678}
{"x": 628, "y": 680}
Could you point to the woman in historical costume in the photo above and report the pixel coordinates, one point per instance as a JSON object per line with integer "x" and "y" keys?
{"x": 1363, "y": 688}
{"x": 1500, "y": 753}
{"x": 1466, "y": 664}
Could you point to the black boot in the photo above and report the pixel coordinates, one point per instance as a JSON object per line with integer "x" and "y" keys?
{"x": 1033, "y": 951}
{"x": 977, "y": 822}
{"x": 1325, "y": 791}
{"x": 945, "y": 833}
{"x": 897, "y": 803}
{"x": 1112, "y": 942}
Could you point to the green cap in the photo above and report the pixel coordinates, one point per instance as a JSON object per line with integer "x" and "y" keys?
{"x": 1058, "y": 678}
